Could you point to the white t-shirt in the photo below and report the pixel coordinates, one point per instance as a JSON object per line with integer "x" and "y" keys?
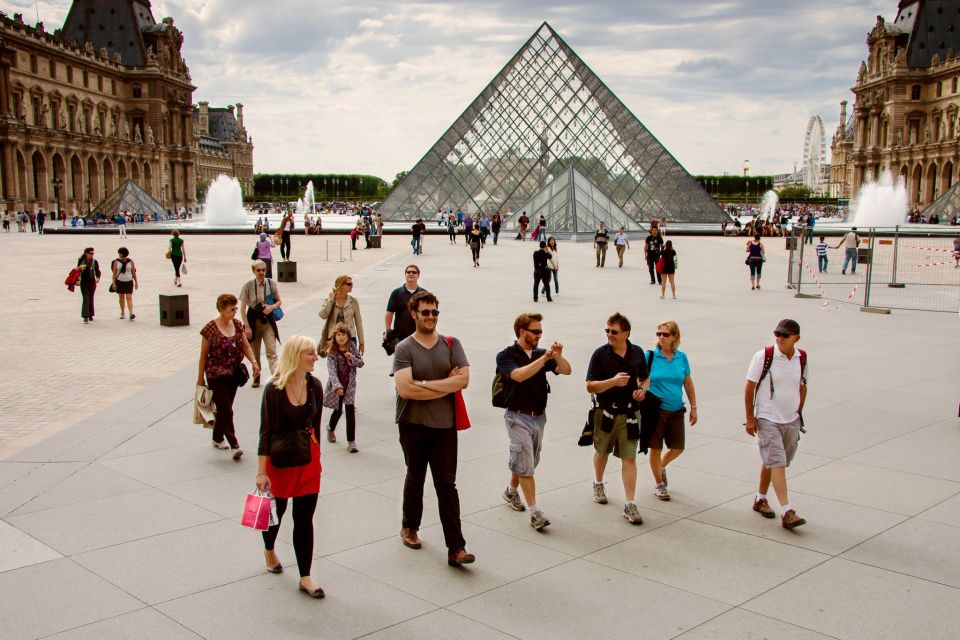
{"x": 783, "y": 408}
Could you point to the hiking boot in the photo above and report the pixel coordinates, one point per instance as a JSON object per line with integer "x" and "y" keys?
{"x": 790, "y": 520}
{"x": 599, "y": 494}
{"x": 631, "y": 513}
{"x": 661, "y": 492}
{"x": 538, "y": 521}
{"x": 762, "y": 507}
{"x": 513, "y": 499}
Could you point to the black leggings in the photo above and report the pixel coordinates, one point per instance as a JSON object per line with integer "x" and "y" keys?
{"x": 177, "y": 261}
{"x": 285, "y": 245}
{"x": 475, "y": 249}
{"x": 303, "y": 508}
{"x": 224, "y": 391}
{"x": 756, "y": 266}
{"x": 351, "y": 420}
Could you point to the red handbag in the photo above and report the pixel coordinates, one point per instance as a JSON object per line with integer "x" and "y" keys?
{"x": 462, "y": 418}
{"x": 72, "y": 278}
{"x": 256, "y": 511}
{"x": 659, "y": 266}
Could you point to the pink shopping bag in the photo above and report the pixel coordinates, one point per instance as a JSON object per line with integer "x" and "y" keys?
{"x": 256, "y": 511}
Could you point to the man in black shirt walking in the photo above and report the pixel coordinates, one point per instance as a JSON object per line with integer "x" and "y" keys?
{"x": 600, "y": 240}
{"x": 652, "y": 247}
{"x": 398, "y": 314}
{"x": 523, "y": 367}
{"x": 418, "y": 229}
{"x": 540, "y": 272}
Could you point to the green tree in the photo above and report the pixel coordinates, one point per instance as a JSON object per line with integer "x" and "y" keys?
{"x": 397, "y": 180}
{"x": 795, "y": 192}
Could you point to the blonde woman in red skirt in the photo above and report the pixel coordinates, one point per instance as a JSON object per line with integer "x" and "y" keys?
{"x": 289, "y": 452}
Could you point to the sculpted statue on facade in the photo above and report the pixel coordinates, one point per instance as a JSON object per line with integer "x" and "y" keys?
{"x": 88, "y": 47}
{"x": 116, "y": 57}
{"x": 113, "y": 127}
{"x": 137, "y": 136}
{"x": 926, "y": 133}
{"x": 63, "y": 118}
{"x": 44, "y": 114}
{"x": 80, "y": 125}
{"x": 125, "y": 130}
{"x": 150, "y": 139}
{"x": 151, "y": 56}
{"x": 22, "y": 112}
{"x": 901, "y": 57}
{"x": 899, "y": 137}
{"x": 943, "y": 130}
{"x": 862, "y": 73}
{"x": 97, "y": 129}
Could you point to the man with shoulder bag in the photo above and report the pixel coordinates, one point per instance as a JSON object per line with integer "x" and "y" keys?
{"x": 522, "y": 369}
{"x": 398, "y": 321}
{"x": 259, "y": 307}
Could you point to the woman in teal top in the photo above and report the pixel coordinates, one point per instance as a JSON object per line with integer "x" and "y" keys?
{"x": 177, "y": 255}
{"x": 669, "y": 377}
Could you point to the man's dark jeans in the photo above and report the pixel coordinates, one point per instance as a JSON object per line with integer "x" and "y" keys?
{"x": 652, "y": 266}
{"x": 538, "y": 278}
{"x": 437, "y": 448}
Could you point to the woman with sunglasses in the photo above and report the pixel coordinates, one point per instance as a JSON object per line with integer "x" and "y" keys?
{"x": 341, "y": 307}
{"x": 89, "y": 278}
{"x": 669, "y": 378}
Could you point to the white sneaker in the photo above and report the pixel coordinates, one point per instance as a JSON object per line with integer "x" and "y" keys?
{"x": 220, "y": 445}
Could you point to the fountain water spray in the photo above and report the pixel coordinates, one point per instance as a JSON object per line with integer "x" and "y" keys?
{"x": 224, "y": 204}
{"x": 769, "y": 205}
{"x": 307, "y": 202}
{"x": 880, "y": 203}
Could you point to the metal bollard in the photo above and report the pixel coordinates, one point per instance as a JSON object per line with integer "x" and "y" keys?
{"x": 896, "y": 250}
{"x": 351, "y": 252}
{"x": 341, "y": 252}
{"x": 327, "y": 259}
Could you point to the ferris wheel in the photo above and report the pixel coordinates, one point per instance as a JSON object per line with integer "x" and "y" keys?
{"x": 814, "y": 155}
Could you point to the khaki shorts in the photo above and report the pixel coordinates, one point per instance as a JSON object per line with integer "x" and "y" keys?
{"x": 616, "y": 440}
{"x": 526, "y": 441}
{"x": 778, "y": 442}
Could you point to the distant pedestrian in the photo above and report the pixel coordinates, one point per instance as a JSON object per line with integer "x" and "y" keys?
{"x": 523, "y": 221}
{"x": 122, "y": 224}
{"x": 542, "y": 229}
{"x": 178, "y": 255}
{"x": 622, "y": 243}
{"x": 223, "y": 346}
{"x": 774, "y": 396}
{"x": 290, "y": 418}
{"x": 652, "y": 246}
{"x": 669, "y": 377}
{"x": 124, "y": 274}
{"x": 343, "y": 360}
{"x": 484, "y": 228}
{"x": 811, "y": 222}
{"x": 286, "y": 230}
{"x": 523, "y": 367}
{"x": 668, "y": 269}
{"x": 416, "y": 232}
{"x": 553, "y": 266}
{"x": 756, "y": 255}
{"x": 495, "y": 224}
{"x": 398, "y": 322}
{"x": 541, "y": 272}
{"x": 600, "y": 240}
{"x": 850, "y": 242}
{"x": 89, "y": 278}
{"x": 452, "y": 228}
{"x": 257, "y": 313}
{"x": 822, "y": 255}
{"x": 264, "y": 252}
{"x": 475, "y": 242}
{"x": 41, "y": 219}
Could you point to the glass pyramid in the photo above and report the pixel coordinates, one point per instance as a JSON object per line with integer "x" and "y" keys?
{"x": 129, "y": 196}
{"x": 572, "y": 204}
{"x": 544, "y": 112}
{"x": 946, "y": 206}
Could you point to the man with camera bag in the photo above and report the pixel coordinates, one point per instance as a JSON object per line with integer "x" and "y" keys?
{"x": 398, "y": 321}
{"x": 257, "y": 315}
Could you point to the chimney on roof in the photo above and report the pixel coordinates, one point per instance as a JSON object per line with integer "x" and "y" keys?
{"x": 204, "y": 118}
{"x": 239, "y": 116}
{"x": 843, "y": 115}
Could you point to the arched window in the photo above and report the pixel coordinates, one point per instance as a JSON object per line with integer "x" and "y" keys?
{"x": 915, "y": 92}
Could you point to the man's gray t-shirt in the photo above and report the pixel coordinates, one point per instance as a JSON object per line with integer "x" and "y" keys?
{"x": 428, "y": 364}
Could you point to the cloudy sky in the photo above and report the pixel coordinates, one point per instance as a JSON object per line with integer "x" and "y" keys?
{"x": 369, "y": 86}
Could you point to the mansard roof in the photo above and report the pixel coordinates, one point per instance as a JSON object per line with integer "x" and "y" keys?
{"x": 117, "y": 25}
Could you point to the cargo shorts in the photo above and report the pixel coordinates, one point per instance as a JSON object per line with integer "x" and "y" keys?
{"x": 526, "y": 441}
{"x": 778, "y": 442}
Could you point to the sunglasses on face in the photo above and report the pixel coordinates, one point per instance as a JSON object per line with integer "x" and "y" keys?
{"x": 612, "y": 332}
{"x": 664, "y": 334}
{"x": 348, "y": 284}
{"x": 426, "y": 313}
{"x": 260, "y": 270}
{"x": 781, "y": 334}
{"x": 413, "y": 273}
{"x": 536, "y": 332}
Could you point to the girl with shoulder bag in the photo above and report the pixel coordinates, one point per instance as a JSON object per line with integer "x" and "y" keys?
{"x": 288, "y": 458}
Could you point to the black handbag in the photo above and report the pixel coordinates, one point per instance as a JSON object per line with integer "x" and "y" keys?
{"x": 390, "y": 342}
{"x": 586, "y": 436}
{"x": 241, "y": 375}
{"x": 255, "y": 254}
{"x": 290, "y": 448}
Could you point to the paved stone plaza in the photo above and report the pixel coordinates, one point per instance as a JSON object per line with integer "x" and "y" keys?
{"x": 119, "y": 520}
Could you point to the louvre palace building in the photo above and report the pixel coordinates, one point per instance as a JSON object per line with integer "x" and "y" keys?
{"x": 906, "y": 112}
{"x": 106, "y": 98}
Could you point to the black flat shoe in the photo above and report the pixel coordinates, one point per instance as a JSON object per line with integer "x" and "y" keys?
{"x": 277, "y": 568}
{"x": 313, "y": 593}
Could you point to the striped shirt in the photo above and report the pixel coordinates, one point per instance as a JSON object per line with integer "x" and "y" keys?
{"x": 821, "y": 248}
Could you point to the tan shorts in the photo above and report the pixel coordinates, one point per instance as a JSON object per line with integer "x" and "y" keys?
{"x": 778, "y": 442}
{"x": 615, "y": 441}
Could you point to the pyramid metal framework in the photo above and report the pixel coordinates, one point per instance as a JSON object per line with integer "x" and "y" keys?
{"x": 572, "y": 204}
{"x": 131, "y": 197}
{"x": 946, "y": 206}
{"x": 543, "y": 112}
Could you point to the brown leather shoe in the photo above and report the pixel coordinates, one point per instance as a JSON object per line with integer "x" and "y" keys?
{"x": 762, "y": 507}
{"x": 410, "y": 538}
{"x": 457, "y": 558}
{"x": 791, "y": 520}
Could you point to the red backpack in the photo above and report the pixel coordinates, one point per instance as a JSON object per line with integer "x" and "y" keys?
{"x": 768, "y": 361}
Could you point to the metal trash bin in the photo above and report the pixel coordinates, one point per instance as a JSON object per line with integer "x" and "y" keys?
{"x": 375, "y": 242}
{"x": 286, "y": 271}
{"x": 174, "y": 310}
{"x": 864, "y": 255}
{"x": 791, "y": 243}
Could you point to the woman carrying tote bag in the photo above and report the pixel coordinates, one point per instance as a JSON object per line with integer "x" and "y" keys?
{"x": 288, "y": 458}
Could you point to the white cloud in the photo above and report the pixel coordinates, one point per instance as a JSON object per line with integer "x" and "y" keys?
{"x": 369, "y": 87}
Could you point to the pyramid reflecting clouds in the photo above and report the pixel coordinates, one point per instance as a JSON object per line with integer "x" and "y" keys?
{"x": 544, "y": 112}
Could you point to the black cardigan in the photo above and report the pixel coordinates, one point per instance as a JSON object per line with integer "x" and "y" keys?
{"x": 270, "y": 412}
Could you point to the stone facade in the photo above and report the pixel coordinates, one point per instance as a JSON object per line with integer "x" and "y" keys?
{"x": 105, "y": 98}
{"x": 906, "y": 111}
{"x": 223, "y": 145}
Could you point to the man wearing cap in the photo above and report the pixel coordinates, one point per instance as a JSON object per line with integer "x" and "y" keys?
{"x": 850, "y": 242}
{"x": 774, "y": 396}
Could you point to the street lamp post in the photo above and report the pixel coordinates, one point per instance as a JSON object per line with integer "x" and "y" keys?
{"x": 57, "y": 184}
{"x": 273, "y": 189}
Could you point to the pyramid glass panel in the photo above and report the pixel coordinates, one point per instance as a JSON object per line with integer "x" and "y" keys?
{"x": 946, "y": 206}
{"x": 543, "y": 113}
{"x": 129, "y": 196}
